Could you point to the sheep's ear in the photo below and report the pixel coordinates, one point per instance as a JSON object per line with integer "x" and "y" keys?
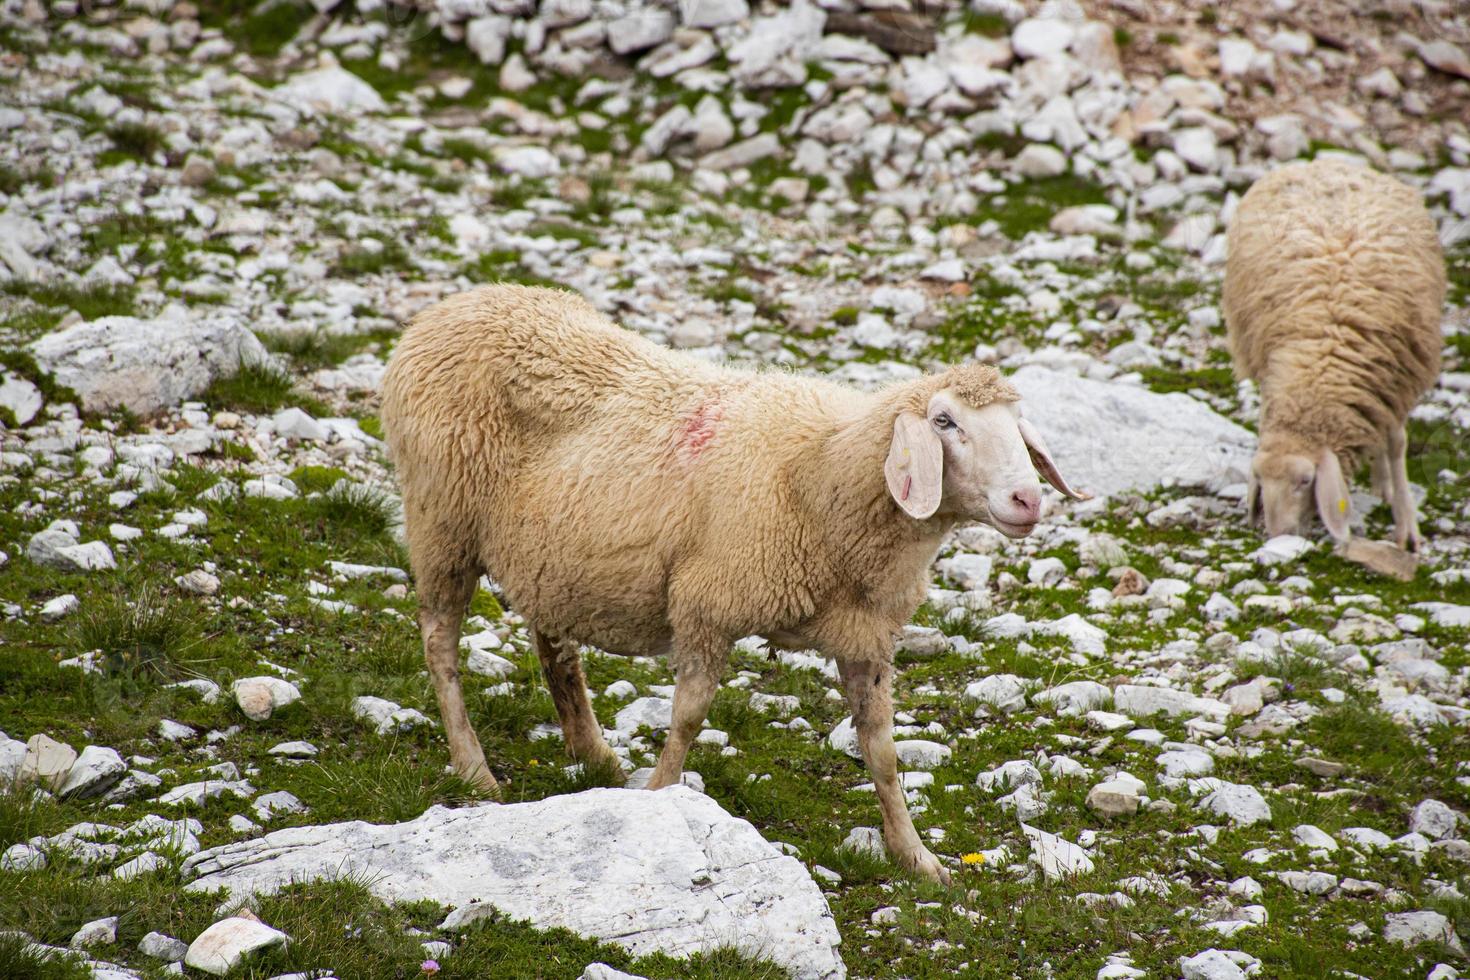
{"x": 1252, "y": 500}
{"x": 1332, "y": 495}
{"x": 914, "y": 469}
{"x": 1045, "y": 465}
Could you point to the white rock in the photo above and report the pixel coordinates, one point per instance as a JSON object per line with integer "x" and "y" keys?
{"x": 98, "y": 932}
{"x": 46, "y": 761}
{"x": 1038, "y": 37}
{"x": 162, "y": 947}
{"x": 1182, "y": 763}
{"x": 1413, "y": 928}
{"x": 198, "y": 582}
{"x": 844, "y": 739}
{"x": 620, "y": 690}
{"x": 1110, "y": 437}
{"x": 259, "y": 697}
{"x": 332, "y": 90}
{"x": 1214, "y": 964}
{"x": 1039, "y": 160}
{"x": 1141, "y": 701}
{"x": 639, "y": 30}
{"x": 60, "y": 607}
{"x": 271, "y": 805}
{"x": 387, "y": 717}
{"x": 1236, "y": 802}
{"x": 20, "y": 397}
{"x": 1435, "y": 820}
{"x": 969, "y": 572}
{"x": 94, "y": 772}
{"x": 218, "y": 949}
{"x": 917, "y": 753}
{"x": 528, "y": 161}
{"x": 294, "y": 750}
{"x": 1114, "y": 798}
{"x": 293, "y": 423}
{"x": 1282, "y": 548}
{"x": 487, "y": 36}
{"x": 1075, "y": 697}
{"x": 601, "y": 971}
{"x": 645, "y": 712}
{"x": 1314, "y": 837}
{"x": 656, "y": 872}
{"x": 146, "y": 364}
{"x": 145, "y": 863}
{"x": 1005, "y": 693}
{"x": 1057, "y": 857}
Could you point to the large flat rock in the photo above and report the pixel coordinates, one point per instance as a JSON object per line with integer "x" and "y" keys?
{"x": 667, "y": 872}
{"x": 146, "y": 364}
{"x": 1109, "y": 437}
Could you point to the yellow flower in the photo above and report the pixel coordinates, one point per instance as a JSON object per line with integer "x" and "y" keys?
{"x": 972, "y": 858}
{"x": 535, "y": 762}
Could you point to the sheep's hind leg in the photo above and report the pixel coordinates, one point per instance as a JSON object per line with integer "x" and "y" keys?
{"x": 696, "y": 680}
{"x": 561, "y": 665}
{"x": 1405, "y": 515}
{"x": 869, "y": 686}
{"x": 443, "y": 601}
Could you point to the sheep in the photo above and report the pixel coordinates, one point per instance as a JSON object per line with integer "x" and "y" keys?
{"x": 647, "y": 502}
{"x": 1334, "y": 286}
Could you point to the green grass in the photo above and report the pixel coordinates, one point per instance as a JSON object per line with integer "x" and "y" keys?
{"x": 140, "y": 632}
{"x": 257, "y": 388}
{"x": 133, "y": 141}
{"x": 262, "y": 27}
{"x": 357, "y": 261}
{"x": 91, "y": 300}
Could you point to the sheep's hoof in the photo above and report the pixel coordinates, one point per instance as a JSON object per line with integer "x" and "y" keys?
{"x": 922, "y": 862}
{"x": 481, "y": 779}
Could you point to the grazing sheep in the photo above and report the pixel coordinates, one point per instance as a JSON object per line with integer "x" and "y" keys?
{"x": 1333, "y": 294}
{"x": 646, "y": 502}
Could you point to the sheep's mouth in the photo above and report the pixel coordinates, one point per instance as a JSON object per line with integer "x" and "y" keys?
{"x": 1012, "y": 530}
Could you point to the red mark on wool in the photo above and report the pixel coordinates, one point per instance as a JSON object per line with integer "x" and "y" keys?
{"x": 698, "y": 430}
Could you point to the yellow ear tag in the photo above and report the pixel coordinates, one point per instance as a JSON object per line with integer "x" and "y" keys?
{"x": 1342, "y": 505}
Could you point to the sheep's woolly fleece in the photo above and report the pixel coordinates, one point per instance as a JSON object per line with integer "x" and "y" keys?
{"x": 977, "y": 385}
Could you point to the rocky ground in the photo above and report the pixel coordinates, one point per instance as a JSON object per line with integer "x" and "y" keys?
{"x": 1147, "y": 742}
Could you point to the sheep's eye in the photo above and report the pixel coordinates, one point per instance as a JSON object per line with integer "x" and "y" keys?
{"x": 942, "y": 421}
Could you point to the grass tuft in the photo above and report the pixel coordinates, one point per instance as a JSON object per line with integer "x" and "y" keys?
{"x": 258, "y": 388}
{"x": 140, "y": 633}
{"x": 355, "y": 507}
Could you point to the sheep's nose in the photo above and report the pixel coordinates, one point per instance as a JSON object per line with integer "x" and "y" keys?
{"x": 1027, "y": 502}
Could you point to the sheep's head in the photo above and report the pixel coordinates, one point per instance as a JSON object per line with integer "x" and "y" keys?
{"x": 1289, "y": 480}
{"x": 974, "y": 463}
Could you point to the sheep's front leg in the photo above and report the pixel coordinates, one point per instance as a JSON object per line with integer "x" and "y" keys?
{"x": 1405, "y": 516}
{"x": 869, "y": 686}
{"x": 695, "y": 684}
{"x": 561, "y": 665}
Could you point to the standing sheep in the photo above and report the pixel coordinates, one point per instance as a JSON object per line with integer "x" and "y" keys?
{"x": 647, "y": 502}
{"x": 1333, "y": 294}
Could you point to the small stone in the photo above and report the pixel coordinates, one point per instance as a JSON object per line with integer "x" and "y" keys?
{"x": 1114, "y": 798}
{"x": 93, "y": 773}
{"x": 198, "y": 582}
{"x": 1434, "y": 820}
{"x": 260, "y": 697}
{"x": 1038, "y": 160}
{"x": 47, "y": 762}
{"x": 60, "y": 607}
{"x": 162, "y": 947}
{"x": 1413, "y": 928}
{"x": 218, "y": 949}
{"x": 98, "y": 932}
{"x": 866, "y": 840}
